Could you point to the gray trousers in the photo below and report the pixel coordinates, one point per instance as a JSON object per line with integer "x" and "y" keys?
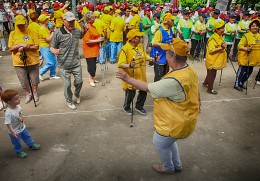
{"x": 66, "y": 76}
{"x": 145, "y": 41}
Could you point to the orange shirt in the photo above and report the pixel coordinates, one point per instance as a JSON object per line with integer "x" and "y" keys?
{"x": 90, "y": 50}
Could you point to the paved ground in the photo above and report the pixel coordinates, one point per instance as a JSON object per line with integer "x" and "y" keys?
{"x": 95, "y": 142}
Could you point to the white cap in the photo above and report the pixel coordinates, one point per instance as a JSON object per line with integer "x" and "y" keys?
{"x": 69, "y": 16}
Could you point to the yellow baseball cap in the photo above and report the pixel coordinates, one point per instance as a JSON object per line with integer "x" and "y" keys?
{"x": 118, "y": 11}
{"x": 135, "y": 9}
{"x": 219, "y": 24}
{"x": 96, "y": 13}
{"x": 20, "y": 20}
{"x": 167, "y": 17}
{"x": 107, "y": 9}
{"x": 179, "y": 46}
{"x": 133, "y": 33}
{"x": 43, "y": 18}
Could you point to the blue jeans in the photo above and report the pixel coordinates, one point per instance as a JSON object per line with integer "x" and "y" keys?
{"x": 168, "y": 151}
{"x": 115, "y": 48}
{"x": 50, "y": 61}
{"x": 25, "y": 136}
{"x": 107, "y": 48}
{"x": 101, "y": 57}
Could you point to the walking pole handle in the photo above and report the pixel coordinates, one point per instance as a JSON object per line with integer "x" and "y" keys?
{"x": 156, "y": 56}
{"x": 132, "y": 63}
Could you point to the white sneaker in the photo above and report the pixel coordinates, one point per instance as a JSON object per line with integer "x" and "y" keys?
{"x": 258, "y": 82}
{"x": 41, "y": 78}
{"x": 1, "y": 56}
{"x": 78, "y": 100}
{"x": 72, "y": 106}
{"x": 3, "y": 49}
{"x": 54, "y": 78}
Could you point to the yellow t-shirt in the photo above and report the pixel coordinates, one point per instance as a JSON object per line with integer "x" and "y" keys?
{"x": 158, "y": 35}
{"x": 118, "y": 25}
{"x": 30, "y": 12}
{"x": 27, "y": 37}
{"x": 126, "y": 55}
{"x": 106, "y": 18}
{"x": 43, "y": 34}
{"x": 135, "y": 21}
{"x": 34, "y": 27}
{"x": 249, "y": 40}
{"x": 58, "y": 15}
{"x": 77, "y": 25}
{"x": 100, "y": 26}
{"x": 84, "y": 10}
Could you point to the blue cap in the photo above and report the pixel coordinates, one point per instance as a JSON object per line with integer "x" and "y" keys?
{"x": 186, "y": 12}
{"x": 157, "y": 15}
{"x": 246, "y": 13}
{"x": 232, "y": 16}
{"x": 203, "y": 15}
{"x": 198, "y": 8}
{"x": 217, "y": 11}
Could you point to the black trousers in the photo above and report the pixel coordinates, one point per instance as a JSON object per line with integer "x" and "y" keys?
{"x": 129, "y": 96}
{"x": 6, "y": 27}
{"x": 160, "y": 71}
{"x": 205, "y": 46}
{"x": 235, "y": 50}
{"x": 91, "y": 65}
{"x": 228, "y": 50}
{"x": 243, "y": 73}
{"x": 196, "y": 47}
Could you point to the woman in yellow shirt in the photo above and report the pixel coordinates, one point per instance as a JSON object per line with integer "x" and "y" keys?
{"x": 248, "y": 55}
{"x": 45, "y": 37}
{"x": 24, "y": 40}
{"x": 216, "y": 56}
{"x": 133, "y": 56}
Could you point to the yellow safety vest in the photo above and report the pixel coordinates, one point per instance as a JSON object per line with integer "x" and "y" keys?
{"x": 216, "y": 60}
{"x": 178, "y": 119}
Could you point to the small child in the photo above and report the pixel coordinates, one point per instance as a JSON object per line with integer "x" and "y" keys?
{"x": 15, "y": 123}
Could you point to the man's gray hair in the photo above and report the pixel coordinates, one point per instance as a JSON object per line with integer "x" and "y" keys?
{"x": 179, "y": 59}
{"x": 88, "y": 15}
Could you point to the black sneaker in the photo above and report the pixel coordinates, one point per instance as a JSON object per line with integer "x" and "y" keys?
{"x": 141, "y": 111}
{"x": 128, "y": 111}
{"x": 238, "y": 88}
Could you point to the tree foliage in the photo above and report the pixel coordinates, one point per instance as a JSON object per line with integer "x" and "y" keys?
{"x": 193, "y": 4}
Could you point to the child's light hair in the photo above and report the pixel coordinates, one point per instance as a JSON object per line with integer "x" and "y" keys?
{"x": 8, "y": 94}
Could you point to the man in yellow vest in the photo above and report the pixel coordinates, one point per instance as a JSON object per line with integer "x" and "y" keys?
{"x": 176, "y": 97}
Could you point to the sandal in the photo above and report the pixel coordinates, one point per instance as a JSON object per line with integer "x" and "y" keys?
{"x": 213, "y": 92}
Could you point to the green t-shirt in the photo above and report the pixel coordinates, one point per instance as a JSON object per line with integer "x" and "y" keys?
{"x": 146, "y": 21}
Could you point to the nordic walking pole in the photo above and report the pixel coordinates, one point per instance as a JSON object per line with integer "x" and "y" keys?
{"x": 247, "y": 71}
{"x": 220, "y": 77}
{"x": 156, "y": 56}
{"x": 23, "y": 57}
{"x": 103, "y": 66}
{"x": 132, "y": 103}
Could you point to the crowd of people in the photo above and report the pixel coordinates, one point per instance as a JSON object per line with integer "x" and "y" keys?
{"x": 124, "y": 33}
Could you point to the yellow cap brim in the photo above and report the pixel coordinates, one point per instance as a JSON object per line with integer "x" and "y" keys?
{"x": 171, "y": 48}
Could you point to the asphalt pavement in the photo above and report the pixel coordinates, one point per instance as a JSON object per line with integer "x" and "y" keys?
{"x": 95, "y": 142}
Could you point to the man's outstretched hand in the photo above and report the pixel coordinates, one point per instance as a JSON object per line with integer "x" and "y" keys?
{"x": 122, "y": 75}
